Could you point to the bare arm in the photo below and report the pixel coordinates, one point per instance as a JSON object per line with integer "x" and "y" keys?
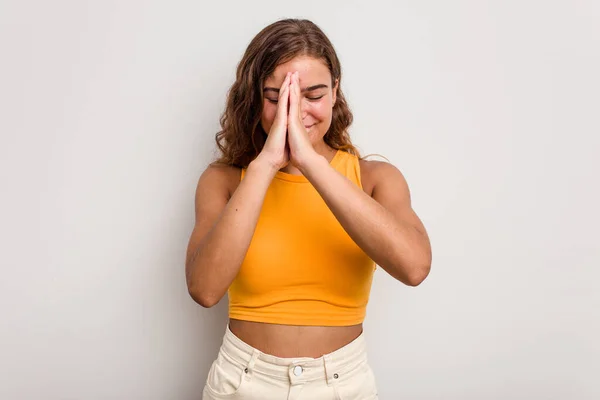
{"x": 223, "y": 229}
{"x": 385, "y": 226}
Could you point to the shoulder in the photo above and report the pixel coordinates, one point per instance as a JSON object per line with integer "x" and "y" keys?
{"x": 221, "y": 176}
{"x": 379, "y": 173}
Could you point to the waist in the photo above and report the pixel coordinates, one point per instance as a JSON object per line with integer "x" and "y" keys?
{"x": 293, "y": 340}
{"x": 343, "y": 359}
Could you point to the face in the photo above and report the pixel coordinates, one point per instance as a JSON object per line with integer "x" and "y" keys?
{"x": 317, "y": 97}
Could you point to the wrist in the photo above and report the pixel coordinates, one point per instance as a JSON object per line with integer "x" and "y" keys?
{"x": 314, "y": 161}
{"x": 265, "y": 166}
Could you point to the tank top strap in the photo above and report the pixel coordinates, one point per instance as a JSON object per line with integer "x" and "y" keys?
{"x": 349, "y": 166}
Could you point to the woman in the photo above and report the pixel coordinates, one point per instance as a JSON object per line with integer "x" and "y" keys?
{"x": 291, "y": 221}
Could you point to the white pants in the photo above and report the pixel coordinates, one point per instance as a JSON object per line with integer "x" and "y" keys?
{"x": 243, "y": 372}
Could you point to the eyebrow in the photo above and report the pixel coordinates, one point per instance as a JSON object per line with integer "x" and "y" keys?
{"x": 308, "y": 89}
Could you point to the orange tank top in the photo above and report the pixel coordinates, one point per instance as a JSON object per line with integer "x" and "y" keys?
{"x": 302, "y": 268}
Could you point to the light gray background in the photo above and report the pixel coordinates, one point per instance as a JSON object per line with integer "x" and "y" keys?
{"x": 489, "y": 108}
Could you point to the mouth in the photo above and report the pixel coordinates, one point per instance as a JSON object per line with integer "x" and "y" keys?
{"x": 308, "y": 127}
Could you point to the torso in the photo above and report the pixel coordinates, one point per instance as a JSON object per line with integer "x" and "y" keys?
{"x": 293, "y": 340}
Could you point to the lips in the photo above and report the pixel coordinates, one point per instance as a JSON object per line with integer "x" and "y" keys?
{"x": 308, "y": 127}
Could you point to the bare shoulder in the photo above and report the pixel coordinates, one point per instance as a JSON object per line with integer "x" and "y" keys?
{"x": 215, "y": 187}
{"x": 220, "y": 177}
{"x": 373, "y": 172}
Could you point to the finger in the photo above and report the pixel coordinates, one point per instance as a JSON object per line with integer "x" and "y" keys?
{"x": 293, "y": 96}
{"x": 283, "y": 97}
{"x": 297, "y": 90}
{"x": 283, "y": 91}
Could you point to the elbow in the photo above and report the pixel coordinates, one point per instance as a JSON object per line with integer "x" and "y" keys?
{"x": 206, "y": 298}
{"x": 414, "y": 282}
{"x": 207, "y": 303}
{"x": 411, "y": 275}
{"x": 421, "y": 266}
{"x": 202, "y": 298}
{"x": 418, "y": 276}
{"x": 197, "y": 291}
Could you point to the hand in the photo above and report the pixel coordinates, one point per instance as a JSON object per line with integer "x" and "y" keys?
{"x": 301, "y": 149}
{"x": 276, "y": 150}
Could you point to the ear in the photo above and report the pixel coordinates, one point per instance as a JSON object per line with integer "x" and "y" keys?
{"x": 335, "y": 89}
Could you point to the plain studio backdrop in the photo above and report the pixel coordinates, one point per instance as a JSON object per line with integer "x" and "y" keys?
{"x": 491, "y": 109}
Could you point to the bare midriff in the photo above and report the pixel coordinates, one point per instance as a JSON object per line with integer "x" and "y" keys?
{"x": 291, "y": 341}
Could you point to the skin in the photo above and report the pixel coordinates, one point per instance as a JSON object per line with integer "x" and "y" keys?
{"x": 311, "y": 101}
{"x": 378, "y": 216}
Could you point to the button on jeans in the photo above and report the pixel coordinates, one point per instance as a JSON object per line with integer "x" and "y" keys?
{"x": 245, "y": 373}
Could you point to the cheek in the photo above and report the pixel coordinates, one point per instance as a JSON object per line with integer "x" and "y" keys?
{"x": 322, "y": 111}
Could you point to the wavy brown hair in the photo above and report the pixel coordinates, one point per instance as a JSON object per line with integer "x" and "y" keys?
{"x": 242, "y": 136}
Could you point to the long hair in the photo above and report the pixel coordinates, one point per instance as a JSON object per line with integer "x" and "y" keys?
{"x": 242, "y": 136}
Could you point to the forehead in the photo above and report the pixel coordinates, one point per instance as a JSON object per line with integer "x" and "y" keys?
{"x": 309, "y": 70}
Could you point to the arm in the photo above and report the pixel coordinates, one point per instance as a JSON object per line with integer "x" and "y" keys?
{"x": 223, "y": 229}
{"x": 384, "y": 226}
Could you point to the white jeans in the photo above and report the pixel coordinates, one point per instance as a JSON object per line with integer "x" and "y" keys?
{"x": 243, "y": 372}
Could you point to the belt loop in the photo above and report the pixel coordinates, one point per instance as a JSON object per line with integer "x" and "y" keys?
{"x": 250, "y": 367}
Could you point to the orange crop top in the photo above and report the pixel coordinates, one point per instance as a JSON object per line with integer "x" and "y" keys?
{"x": 302, "y": 268}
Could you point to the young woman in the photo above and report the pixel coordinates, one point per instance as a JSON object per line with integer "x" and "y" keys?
{"x": 291, "y": 222}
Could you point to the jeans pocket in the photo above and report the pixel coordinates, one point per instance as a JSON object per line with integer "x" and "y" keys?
{"x": 225, "y": 378}
{"x": 357, "y": 384}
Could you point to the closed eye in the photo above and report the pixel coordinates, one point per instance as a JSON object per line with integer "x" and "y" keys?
{"x": 274, "y": 101}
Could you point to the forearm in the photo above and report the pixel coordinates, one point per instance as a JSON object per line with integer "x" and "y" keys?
{"x": 218, "y": 257}
{"x": 395, "y": 245}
